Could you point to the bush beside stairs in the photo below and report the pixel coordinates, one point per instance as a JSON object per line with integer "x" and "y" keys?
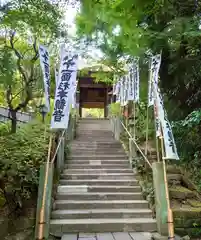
{"x": 98, "y": 191}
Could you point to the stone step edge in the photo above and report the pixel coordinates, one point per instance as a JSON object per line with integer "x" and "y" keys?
{"x": 100, "y": 180}
{"x": 98, "y": 186}
{"x": 99, "y": 201}
{"x": 102, "y": 220}
{"x": 97, "y": 170}
{"x": 100, "y": 174}
{"x": 100, "y": 193}
{"x": 106, "y": 210}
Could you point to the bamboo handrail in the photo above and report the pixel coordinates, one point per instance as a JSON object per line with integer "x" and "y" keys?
{"x": 49, "y": 162}
{"x": 42, "y": 211}
{"x": 133, "y": 140}
{"x": 58, "y": 145}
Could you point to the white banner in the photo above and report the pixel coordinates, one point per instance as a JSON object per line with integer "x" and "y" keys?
{"x": 74, "y": 89}
{"x": 153, "y": 77}
{"x": 45, "y": 65}
{"x": 118, "y": 95}
{"x": 131, "y": 87}
{"x": 125, "y": 96}
{"x": 136, "y": 81}
{"x": 122, "y": 91}
{"x": 169, "y": 142}
{"x": 115, "y": 85}
{"x": 63, "y": 95}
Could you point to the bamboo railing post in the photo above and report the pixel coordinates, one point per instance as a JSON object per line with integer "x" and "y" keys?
{"x": 170, "y": 220}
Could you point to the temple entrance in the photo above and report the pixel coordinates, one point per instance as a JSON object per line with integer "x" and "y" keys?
{"x": 92, "y": 95}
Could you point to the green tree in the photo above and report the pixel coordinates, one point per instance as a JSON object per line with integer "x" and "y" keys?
{"x": 24, "y": 24}
{"x": 122, "y": 29}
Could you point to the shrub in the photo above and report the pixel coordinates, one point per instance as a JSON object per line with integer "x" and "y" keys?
{"x": 5, "y": 128}
{"x": 187, "y": 137}
{"x": 21, "y": 155}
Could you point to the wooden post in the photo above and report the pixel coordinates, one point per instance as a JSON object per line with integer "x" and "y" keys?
{"x": 60, "y": 155}
{"x": 48, "y": 202}
{"x": 147, "y": 132}
{"x": 80, "y": 110}
{"x": 118, "y": 128}
{"x": 170, "y": 215}
{"x": 106, "y": 103}
{"x": 160, "y": 198}
{"x": 132, "y": 151}
{"x": 134, "y": 123}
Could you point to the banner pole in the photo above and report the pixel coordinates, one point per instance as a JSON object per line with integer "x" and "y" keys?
{"x": 170, "y": 215}
{"x": 147, "y": 132}
{"x": 156, "y": 117}
{"x": 157, "y": 149}
{"x": 134, "y": 123}
{"x": 126, "y": 114}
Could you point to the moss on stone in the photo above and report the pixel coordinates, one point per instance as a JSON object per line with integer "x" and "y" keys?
{"x": 179, "y": 192}
{"x": 187, "y": 213}
{"x": 194, "y": 203}
{"x": 173, "y": 169}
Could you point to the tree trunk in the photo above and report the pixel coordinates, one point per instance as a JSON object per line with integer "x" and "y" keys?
{"x": 13, "y": 121}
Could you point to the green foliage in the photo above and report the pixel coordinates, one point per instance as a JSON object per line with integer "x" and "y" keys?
{"x": 123, "y": 29}
{"x": 21, "y": 155}
{"x": 25, "y": 24}
{"x": 5, "y": 128}
{"x": 187, "y": 137}
{"x": 93, "y": 112}
{"x": 114, "y": 109}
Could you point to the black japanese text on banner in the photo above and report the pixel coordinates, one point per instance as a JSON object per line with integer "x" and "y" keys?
{"x": 169, "y": 142}
{"x": 136, "y": 81}
{"x": 131, "y": 82}
{"x": 153, "y": 77}
{"x": 45, "y": 65}
{"x": 63, "y": 95}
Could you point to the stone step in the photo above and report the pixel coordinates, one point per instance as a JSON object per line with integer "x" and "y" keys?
{"x": 99, "y": 182}
{"x": 93, "y": 139}
{"x": 174, "y": 177}
{"x": 97, "y": 148}
{"x": 105, "y": 143}
{"x": 99, "y": 135}
{"x": 98, "y": 166}
{"x": 96, "y": 133}
{"x": 99, "y": 157}
{"x": 99, "y": 204}
{"x": 98, "y": 162}
{"x": 97, "y": 171}
{"x": 97, "y": 151}
{"x": 99, "y": 154}
{"x": 88, "y": 146}
{"x": 100, "y": 196}
{"x": 101, "y": 213}
{"x": 97, "y": 188}
{"x": 94, "y": 147}
{"x": 83, "y": 176}
{"x": 58, "y": 227}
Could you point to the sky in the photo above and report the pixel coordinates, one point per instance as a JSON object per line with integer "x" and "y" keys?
{"x": 70, "y": 16}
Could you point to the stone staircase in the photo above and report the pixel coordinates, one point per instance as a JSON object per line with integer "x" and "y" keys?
{"x": 98, "y": 191}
